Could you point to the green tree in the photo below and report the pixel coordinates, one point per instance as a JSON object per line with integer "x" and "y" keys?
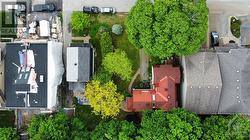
{"x": 49, "y": 128}
{"x": 79, "y": 21}
{"x": 119, "y": 64}
{"x": 103, "y": 76}
{"x": 78, "y": 130}
{"x": 106, "y": 44}
{"x": 117, "y": 29}
{"x": 216, "y": 128}
{"x": 114, "y": 130}
{"x": 170, "y": 28}
{"x": 175, "y": 124}
{"x": 139, "y": 23}
{"x": 239, "y": 127}
{"x": 104, "y": 99}
{"x": 8, "y": 134}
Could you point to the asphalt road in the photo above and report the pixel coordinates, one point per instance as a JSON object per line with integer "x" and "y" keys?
{"x": 229, "y": 6}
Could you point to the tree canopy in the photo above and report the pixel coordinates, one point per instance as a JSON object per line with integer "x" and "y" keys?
{"x": 8, "y": 134}
{"x": 215, "y": 127}
{"x": 104, "y": 99}
{"x": 118, "y": 63}
{"x": 114, "y": 130}
{"x": 49, "y": 128}
{"x": 168, "y": 27}
{"x": 176, "y": 124}
{"x": 78, "y": 130}
{"x": 79, "y": 20}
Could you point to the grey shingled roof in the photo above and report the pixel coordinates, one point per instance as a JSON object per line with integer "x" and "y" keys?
{"x": 79, "y": 63}
{"x": 202, "y": 83}
{"x": 235, "y": 70}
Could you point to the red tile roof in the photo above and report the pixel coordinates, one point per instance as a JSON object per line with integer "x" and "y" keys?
{"x": 162, "y": 96}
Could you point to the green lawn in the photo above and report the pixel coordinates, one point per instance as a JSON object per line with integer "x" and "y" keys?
{"x": 120, "y": 42}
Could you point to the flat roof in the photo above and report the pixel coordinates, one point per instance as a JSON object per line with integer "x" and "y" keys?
{"x": 36, "y": 100}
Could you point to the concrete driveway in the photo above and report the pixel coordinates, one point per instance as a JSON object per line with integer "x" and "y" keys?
{"x": 220, "y": 12}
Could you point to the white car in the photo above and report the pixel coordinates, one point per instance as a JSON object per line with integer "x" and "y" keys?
{"x": 110, "y": 10}
{"x": 20, "y": 7}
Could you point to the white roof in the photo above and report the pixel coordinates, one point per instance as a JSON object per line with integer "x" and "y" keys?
{"x": 44, "y": 28}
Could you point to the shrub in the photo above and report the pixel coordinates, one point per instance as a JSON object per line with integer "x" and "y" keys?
{"x": 8, "y": 134}
{"x": 235, "y": 27}
{"x": 117, "y": 29}
{"x": 98, "y": 27}
{"x": 79, "y": 21}
{"x": 106, "y": 44}
{"x": 119, "y": 64}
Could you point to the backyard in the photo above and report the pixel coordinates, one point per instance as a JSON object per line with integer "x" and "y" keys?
{"x": 119, "y": 41}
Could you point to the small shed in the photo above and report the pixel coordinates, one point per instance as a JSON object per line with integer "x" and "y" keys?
{"x": 44, "y": 28}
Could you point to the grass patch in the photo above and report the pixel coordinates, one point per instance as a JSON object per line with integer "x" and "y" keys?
{"x": 120, "y": 42}
{"x": 235, "y": 27}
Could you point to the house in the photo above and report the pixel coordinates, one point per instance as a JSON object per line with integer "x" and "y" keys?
{"x": 202, "y": 83}
{"x": 235, "y": 73}
{"x": 79, "y": 63}
{"x": 80, "y": 68}
{"x": 32, "y": 75}
{"x": 217, "y": 82}
{"x": 163, "y": 94}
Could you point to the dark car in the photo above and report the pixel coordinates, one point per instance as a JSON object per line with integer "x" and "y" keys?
{"x": 50, "y": 7}
{"x": 91, "y": 10}
{"x": 214, "y": 39}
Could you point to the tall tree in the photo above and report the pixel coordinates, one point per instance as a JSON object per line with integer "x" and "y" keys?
{"x": 115, "y": 130}
{"x": 104, "y": 99}
{"x": 215, "y": 127}
{"x": 239, "y": 127}
{"x": 176, "y": 124}
{"x": 119, "y": 64}
{"x": 78, "y": 130}
{"x": 49, "y": 128}
{"x": 140, "y": 24}
{"x": 174, "y": 28}
{"x": 8, "y": 134}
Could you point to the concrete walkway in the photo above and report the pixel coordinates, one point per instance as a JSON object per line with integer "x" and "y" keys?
{"x": 133, "y": 79}
{"x": 144, "y": 61}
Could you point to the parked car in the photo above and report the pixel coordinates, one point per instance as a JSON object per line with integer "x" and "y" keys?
{"x": 50, "y": 7}
{"x": 110, "y": 10}
{"x": 91, "y": 10}
{"x": 214, "y": 39}
{"x": 18, "y": 7}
